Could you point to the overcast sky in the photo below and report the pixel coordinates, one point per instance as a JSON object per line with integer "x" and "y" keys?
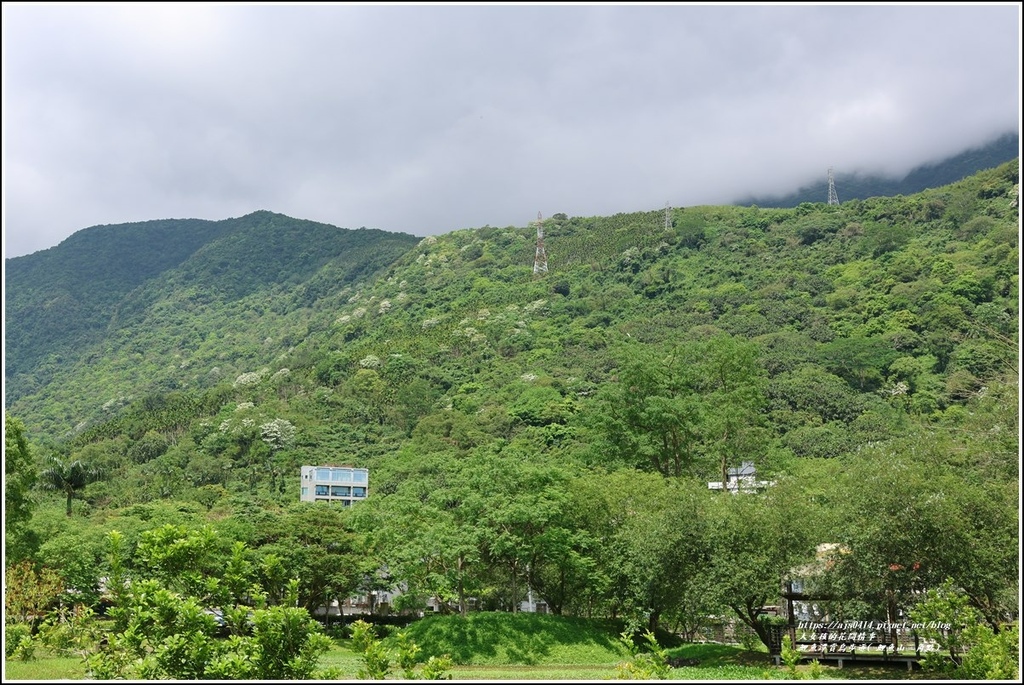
{"x": 431, "y": 118}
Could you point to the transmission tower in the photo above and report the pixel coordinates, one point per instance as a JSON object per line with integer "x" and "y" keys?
{"x": 833, "y": 199}
{"x": 540, "y": 261}
{"x": 667, "y": 210}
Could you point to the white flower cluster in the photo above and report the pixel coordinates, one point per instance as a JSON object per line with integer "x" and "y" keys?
{"x": 370, "y": 361}
{"x": 281, "y": 373}
{"x": 534, "y": 306}
{"x": 359, "y": 313}
{"x": 344, "y": 318}
{"x": 242, "y": 406}
{"x": 385, "y": 305}
{"x": 249, "y": 379}
{"x": 401, "y": 298}
{"x": 226, "y": 426}
{"x": 430, "y": 323}
{"x": 529, "y": 377}
{"x": 483, "y": 314}
{"x": 354, "y": 298}
{"x": 277, "y": 433}
{"x": 900, "y": 388}
{"x": 429, "y": 240}
{"x": 114, "y": 401}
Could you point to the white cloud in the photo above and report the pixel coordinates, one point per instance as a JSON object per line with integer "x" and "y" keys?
{"x": 430, "y": 118}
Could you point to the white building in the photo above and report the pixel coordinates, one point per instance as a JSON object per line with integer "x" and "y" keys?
{"x": 743, "y": 479}
{"x": 336, "y": 484}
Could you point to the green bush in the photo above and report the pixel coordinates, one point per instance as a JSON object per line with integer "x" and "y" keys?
{"x": 378, "y": 659}
{"x": 651, "y": 664}
{"x": 14, "y": 635}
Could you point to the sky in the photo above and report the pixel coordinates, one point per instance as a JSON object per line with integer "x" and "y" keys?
{"x": 428, "y": 118}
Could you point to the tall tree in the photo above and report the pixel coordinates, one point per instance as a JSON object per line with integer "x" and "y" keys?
{"x": 652, "y": 416}
{"x": 653, "y": 534}
{"x": 19, "y": 477}
{"x": 731, "y": 383}
{"x": 756, "y": 541}
{"x": 912, "y": 521}
{"x": 687, "y": 411}
{"x": 314, "y": 543}
{"x": 68, "y": 477}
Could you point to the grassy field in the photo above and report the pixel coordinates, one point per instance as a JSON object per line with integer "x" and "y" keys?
{"x": 492, "y": 646}
{"x": 722, "y": 663}
{"x": 45, "y": 667}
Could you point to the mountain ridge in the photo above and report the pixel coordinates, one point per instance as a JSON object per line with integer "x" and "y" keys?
{"x": 74, "y": 296}
{"x": 858, "y": 186}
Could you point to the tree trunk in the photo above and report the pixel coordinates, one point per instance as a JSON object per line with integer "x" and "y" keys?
{"x": 515, "y": 603}
{"x": 462, "y": 592}
{"x": 652, "y": 621}
{"x": 748, "y": 615}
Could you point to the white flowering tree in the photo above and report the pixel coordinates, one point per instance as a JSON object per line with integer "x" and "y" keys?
{"x": 277, "y": 434}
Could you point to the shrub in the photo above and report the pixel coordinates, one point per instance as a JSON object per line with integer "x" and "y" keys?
{"x": 14, "y": 635}
{"x": 378, "y": 661}
{"x": 643, "y": 665}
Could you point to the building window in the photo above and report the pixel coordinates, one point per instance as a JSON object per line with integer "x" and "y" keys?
{"x": 322, "y": 490}
{"x": 359, "y": 492}
{"x": 345, "y": 502}
{"x": 340, "y": 491}
{"x": 359, "y": 476}
{"x": 342, "y": 475}
{"x": 305, "y": 491}
{"x": 323, "y": 474}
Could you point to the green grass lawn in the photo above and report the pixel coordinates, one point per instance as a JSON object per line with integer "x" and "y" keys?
{"x": 45, "y": 667}
{"x": 502, "y": 639}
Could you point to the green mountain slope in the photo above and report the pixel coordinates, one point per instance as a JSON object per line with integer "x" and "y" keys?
{"x": 114, "y": 307}
{"x": 856, "y": 301}
{"x": 61, "y": 299}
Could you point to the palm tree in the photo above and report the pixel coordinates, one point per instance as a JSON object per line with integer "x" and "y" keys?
{"x": 68, "y": 477}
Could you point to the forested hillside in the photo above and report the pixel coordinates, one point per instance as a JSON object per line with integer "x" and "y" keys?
{"x": 558, "y": 431}
{"x": 119, "y": 312}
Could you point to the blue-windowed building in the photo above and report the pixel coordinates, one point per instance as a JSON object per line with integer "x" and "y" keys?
{"x": 340, "y": 485}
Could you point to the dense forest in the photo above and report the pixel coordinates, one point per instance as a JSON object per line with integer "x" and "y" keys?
{"x": 553, "y": 433}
